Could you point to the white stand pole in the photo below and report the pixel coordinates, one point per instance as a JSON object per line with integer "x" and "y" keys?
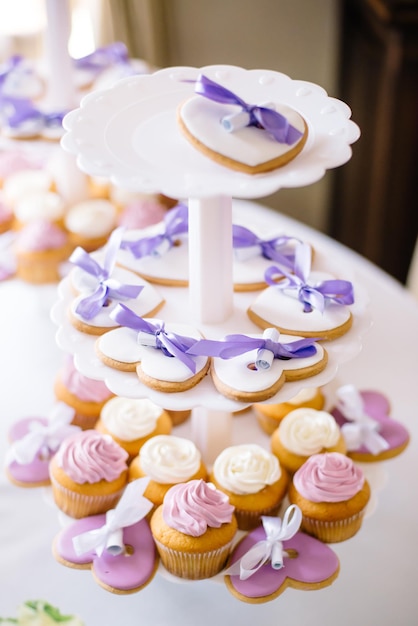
{"x": 211, "y": 301}
{"x": 210, "y": 259}
{"x": 61, "y": 92}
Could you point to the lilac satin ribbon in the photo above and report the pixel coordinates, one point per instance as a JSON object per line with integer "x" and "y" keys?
{"x": 234, "y": 345}
{"x": 311, "y": 296}
{"x": 101, "y": 58}
{"x": 17, "y": 111}
{"x": 107, "y": 287}
{"x": 260, "y": 116}
{"x": 243, "y": 237}
{"x": 9, "y": 66}
{"x": 175, "y": 223}
{"x": 170, "y": 344}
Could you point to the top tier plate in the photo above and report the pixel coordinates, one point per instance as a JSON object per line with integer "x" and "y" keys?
{"x": 129, "y": 134}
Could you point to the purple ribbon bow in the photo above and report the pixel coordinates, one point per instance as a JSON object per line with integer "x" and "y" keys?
{"x": 260, "y": 116}
{"x": 101, "y": 58}
{"x": 107, "y": 287}
{"x": 170, "y": 344}
{"x": 234, "y": 345}
{"x": 244, "y": 238}
{"x": 311, "y": 296}
{"x": 17, "y": 111}
{"x": 9, "y": 66}
{"x": 175, "y": 222}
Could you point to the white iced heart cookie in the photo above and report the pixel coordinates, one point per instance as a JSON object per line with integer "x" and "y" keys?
{"x": 250, "y": 149}
{"x": 129, "y": 349}
{"x": 147, "y": 303}
{"x": 283, "y": 310}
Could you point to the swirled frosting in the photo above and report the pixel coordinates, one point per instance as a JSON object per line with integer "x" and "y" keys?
{"x": 40, "y": 205}
{"x": 304, "y": 395}
{"x": 168, "y": 459}
{"x": 89, "y": 457}
{"x": 91, "y": 218}
{"x": 246, "y": 469}
{"x": 194, "y": 506}
{"x": 86, "y": 389}
{"x": 328, "y": 477}
{"x": 307, "y": 431}
{"x": 41, "y": 235}
{"x": 130, "y": 418}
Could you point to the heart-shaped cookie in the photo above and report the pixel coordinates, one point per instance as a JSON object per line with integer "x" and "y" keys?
{"x": 247, "y": 138}
{"x": 391, "y": 436}
{"x": 309, "y": 565}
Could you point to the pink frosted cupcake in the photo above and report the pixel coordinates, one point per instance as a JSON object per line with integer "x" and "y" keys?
{"x": 332, "y": 493}
{"x": 85, "y": 395}
{"x": 41, "y": 248}
{"x": 6, "y": 216}
{"x": 194, "y": 529}
{"x": 88, "y": 474}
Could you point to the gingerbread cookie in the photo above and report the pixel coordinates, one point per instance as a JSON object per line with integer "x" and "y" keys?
{"x": 275, "y": 556}
{"x": 158, "y": 352}
{"x": 305, "y": 303}
{"x": 254, "y": 368}
{"x": 118, "y": 546}
{"x": 369, "y": 431}
{"x": 245, "y": 137}
{"x": 100, "y": 285}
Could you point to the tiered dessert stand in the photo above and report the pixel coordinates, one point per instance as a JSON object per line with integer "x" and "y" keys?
{"x": 129, "y": 134}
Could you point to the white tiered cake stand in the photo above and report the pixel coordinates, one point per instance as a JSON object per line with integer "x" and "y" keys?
{"x": 129, "y": 134}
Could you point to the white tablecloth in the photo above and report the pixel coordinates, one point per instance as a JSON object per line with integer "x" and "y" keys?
{"x": 377, "y": 583}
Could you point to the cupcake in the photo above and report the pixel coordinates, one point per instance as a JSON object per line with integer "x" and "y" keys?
{"x": 41, "y": 248}
{"x": 39, "y": 206}
{"x": 24, "y": 183}
{"x": 131, "y": 422}
{"x": 178, "y": 417}
{"x": 253, "y": 480}
{"x": 85, "y": 395}
{"x": 90, "y": 223}
{"x": 88, "y": 474}
{"x": 269, "y": 416}
{"x": 304, "y": 432}
{"x": 6, "y": 215}
{"x": 332, "y": 493}
{"x": 194, "y": 529}
{"x": 141, "y": 213}
{"x": 167, "y": 460}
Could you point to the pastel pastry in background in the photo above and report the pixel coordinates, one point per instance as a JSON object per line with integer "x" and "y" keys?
{"x": 269, "y": 416}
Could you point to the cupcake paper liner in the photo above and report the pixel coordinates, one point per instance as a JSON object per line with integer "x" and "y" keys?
{"x": 193, "y": 566}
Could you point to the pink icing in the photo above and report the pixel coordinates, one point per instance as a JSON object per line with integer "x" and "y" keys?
{"x": 125, "y": 573}
{"x": 12, "y": 162}
{"x": 86, "y": 389}
{"x": 329, "y": 477}
{"x": 315, "y": 563}
{"x": 142, "y": 213}
{"x": 41, "y": 235}
{"x": 88, "y": 457}
{"x": 5, "y": 212}
{"x": 194, "y": 506}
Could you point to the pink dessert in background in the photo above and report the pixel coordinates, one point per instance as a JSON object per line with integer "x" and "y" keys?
{"x": 142, "y": 213}
{"x": 86, "y": 389}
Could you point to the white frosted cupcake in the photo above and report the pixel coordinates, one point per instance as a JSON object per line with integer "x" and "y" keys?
{"x": 90, "y": 223}
{"x": 269, "y": 416}
{"x": 253, "y": 480}
{"x": 131, "y": 422}
{"x": 304, "y": 432}
{"x": 40, "y": 205}
{"x": 167, "y": 461}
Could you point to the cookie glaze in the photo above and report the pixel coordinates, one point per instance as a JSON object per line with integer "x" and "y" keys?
{"x": 34, "y": 473}
{"x": 312, "y": 564}
{"x": 122, "y": 573}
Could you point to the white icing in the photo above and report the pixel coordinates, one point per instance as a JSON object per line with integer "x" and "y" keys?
{"x": 173, "y": 265}
{"x": 17, "y": 185}
{"x": 249, "y": 145}
{"x": 40, "y": 205}
{"x": 122, "y": 196}
{"x": 169, "y": 460}
{"x": 246, "y": 469}
{"x": 130, "y": 419}
{"x": 307, "y": 431}
{"x": 146, "y": 302}
{"x": 282, "y": 308}
{"x": 235, "y": 373}
{"x": 122, "y": 345}
{"x": 91, "y": 218}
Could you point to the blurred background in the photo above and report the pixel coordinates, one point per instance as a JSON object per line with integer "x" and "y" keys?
{"x": 364, "y": 52}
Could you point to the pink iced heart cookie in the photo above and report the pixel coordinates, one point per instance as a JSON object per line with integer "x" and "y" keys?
{"x": 117, "y": 546}
{"x": 370, "y": 433}
{"x": 253, "y": 368}
{"x": 244, "y": 137}
{"x": 155, "y": 350}
{"x": 34, "y": 440}
{"x": 308, "y": 564}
